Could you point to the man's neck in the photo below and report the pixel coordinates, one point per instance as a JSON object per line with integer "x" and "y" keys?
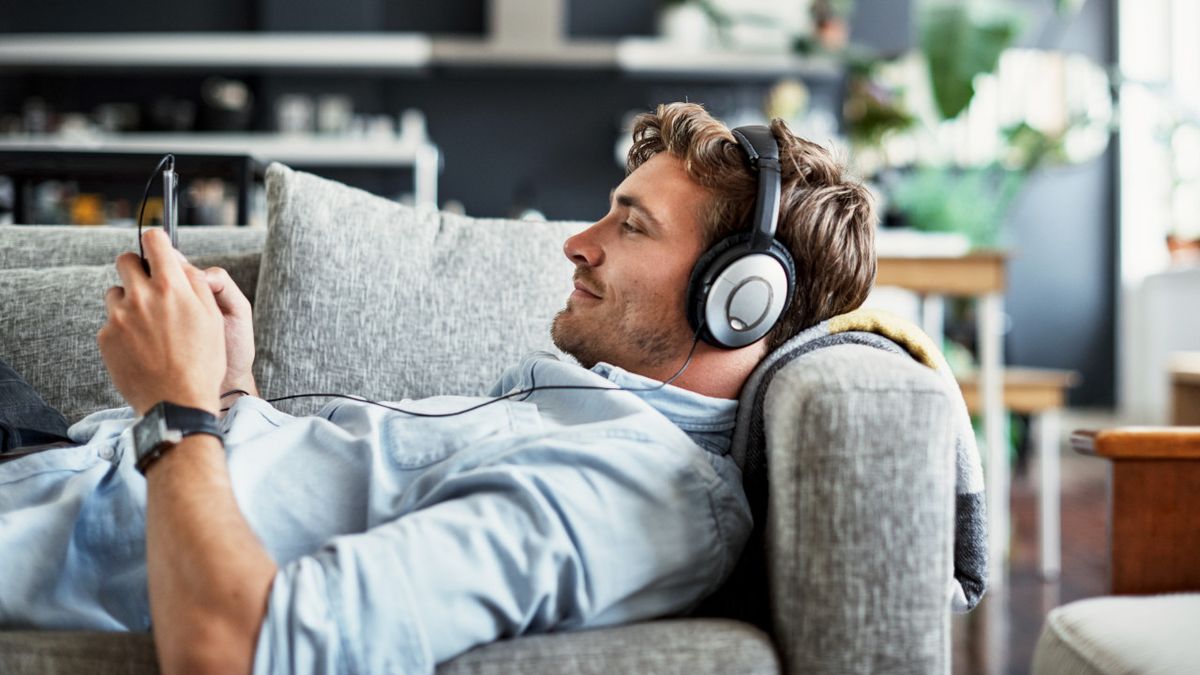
{"x": 719, "y": 373}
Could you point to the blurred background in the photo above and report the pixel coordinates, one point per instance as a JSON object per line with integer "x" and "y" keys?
{"x": 1060, "y": 137}
{"x": 530, "y": 115}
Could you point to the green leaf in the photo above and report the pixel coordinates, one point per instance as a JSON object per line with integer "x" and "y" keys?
{"x": 961, "y": 42}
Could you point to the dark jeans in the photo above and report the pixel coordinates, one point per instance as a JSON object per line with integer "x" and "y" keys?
{"x": 25, "y": 418}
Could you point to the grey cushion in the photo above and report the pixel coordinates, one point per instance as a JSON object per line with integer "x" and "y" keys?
{"x": 860, "y": 522}
{"x": 362, "y": 295}
{"x": 686, "y": 647}
{"x": 71, "y": 653}
{"x": 1122, "y": 635}
{"x": 48, "y": 323}
{"x": 61, "y": 246}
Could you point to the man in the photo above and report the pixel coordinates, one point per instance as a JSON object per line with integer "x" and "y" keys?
{"x": 365, "y": 539}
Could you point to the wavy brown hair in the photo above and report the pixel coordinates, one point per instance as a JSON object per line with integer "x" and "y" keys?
{"x": 826, "y": 218}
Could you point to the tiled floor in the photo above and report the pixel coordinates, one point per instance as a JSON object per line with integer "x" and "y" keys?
{"x": 999, "y": 636}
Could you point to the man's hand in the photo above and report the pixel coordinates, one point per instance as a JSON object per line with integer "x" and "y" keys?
{"x": 239, "y": 331}
{"x": 164, "y": 338}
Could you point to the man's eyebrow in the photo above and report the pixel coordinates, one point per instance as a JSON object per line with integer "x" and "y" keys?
{"x": 631, "y": 202}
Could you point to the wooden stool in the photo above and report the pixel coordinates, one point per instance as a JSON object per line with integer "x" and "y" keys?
{"x": 1041, "y": 394}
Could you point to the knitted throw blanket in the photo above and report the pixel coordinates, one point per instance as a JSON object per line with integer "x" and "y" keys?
{"x": 890, "y": 333}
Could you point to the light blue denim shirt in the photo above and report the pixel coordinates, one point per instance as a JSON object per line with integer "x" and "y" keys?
{"x": 403, "y": 541}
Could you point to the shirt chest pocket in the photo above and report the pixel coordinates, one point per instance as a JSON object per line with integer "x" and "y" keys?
{"x": 413, "y": 442}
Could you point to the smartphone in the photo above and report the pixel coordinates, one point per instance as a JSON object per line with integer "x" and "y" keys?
{"x": 171, "y": 205}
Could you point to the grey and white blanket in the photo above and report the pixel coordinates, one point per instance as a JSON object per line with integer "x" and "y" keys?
{"x": 890, "y": 333}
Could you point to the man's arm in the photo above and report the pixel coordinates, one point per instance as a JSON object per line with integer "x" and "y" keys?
{"x": 209, "y": 577}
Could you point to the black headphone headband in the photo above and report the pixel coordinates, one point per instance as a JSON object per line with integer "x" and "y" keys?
{"x": 763, "y": 152}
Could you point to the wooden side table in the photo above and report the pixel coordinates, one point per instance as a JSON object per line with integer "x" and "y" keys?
{"x": 1041, "y": 394}
{"x": 1154, "y": 528}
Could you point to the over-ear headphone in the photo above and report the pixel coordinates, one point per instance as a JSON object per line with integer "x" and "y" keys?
{"x": 740, "y": 287}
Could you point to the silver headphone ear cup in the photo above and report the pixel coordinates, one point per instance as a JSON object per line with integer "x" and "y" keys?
{"x": 718, "y": 286}
{"x": 746, "y": 300}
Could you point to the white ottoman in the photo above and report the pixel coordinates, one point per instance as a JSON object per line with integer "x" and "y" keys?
{"x": 1129, "y": 634}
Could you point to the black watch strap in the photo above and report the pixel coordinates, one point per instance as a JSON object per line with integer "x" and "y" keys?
{"x": 182, "y": 419}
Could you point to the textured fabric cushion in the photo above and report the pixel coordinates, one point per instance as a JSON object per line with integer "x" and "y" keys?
{"x": 860, "y": 524}
{"x": 685, "y": 647}
{"x": 72, "y": 653}
{"x": 360, "y": 295}
{"x": 59, "y": 246}
{"x": 694, "y": 647}
{"x": 48, "y": 323}
{"x": 1119, "y": 635}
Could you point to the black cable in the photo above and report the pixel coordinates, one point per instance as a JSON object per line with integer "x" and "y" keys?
{"x": 169, "y": 160}
{"x": 522, "y": 392}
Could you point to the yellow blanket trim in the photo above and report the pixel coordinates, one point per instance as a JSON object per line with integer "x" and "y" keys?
{"x": 894, "y": 327}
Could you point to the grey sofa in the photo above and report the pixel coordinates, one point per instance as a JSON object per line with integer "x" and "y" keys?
{"x": 856, "y": 546}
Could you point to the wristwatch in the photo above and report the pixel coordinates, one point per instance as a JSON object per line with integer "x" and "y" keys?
{"x": 164, "y": 426}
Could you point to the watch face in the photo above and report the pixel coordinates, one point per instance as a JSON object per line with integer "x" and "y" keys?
{"x": 148, "y": 432}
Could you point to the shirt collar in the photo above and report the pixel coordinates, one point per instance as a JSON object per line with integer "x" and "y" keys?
{"x": 686, "y": 409}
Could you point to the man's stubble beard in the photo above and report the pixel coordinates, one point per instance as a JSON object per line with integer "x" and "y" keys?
{"x": 626, "y": 345}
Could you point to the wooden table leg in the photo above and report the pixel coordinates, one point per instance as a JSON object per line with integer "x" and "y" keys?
{"x": 1049, "y": 494}
{"x": 990, "y": 331}
{"x": 933, "y": 317}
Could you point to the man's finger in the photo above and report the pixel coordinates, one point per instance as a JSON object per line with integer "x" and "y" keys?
{"x": 129, "y": 268}
{"x": 217, "y": 279}
{"x": 225, "y": 290}
{"x": 164, "y": 263}
{"x": 112, "y": 296}
{"x": 183, "y": 261}
{"x": 199, "y": 284}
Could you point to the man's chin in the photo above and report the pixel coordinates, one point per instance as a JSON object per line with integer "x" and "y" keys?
{"x": 571, "y": 340}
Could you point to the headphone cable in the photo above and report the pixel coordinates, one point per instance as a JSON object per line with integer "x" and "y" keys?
{"x": 522, "y": 392}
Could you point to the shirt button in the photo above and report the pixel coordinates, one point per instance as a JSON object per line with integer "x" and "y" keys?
{"x": 106, "y": 452}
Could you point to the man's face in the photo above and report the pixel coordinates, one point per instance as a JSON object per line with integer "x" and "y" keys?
{"x": 631, "y": 273}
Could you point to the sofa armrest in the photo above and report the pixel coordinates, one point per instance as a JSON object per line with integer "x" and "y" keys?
{"x": 860, "y": 514}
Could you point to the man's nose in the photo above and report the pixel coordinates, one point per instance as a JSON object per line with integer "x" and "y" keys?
{"x": 583, "y": 249}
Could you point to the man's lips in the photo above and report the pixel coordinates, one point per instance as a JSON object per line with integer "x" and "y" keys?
{"x": 580, "y": 289}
